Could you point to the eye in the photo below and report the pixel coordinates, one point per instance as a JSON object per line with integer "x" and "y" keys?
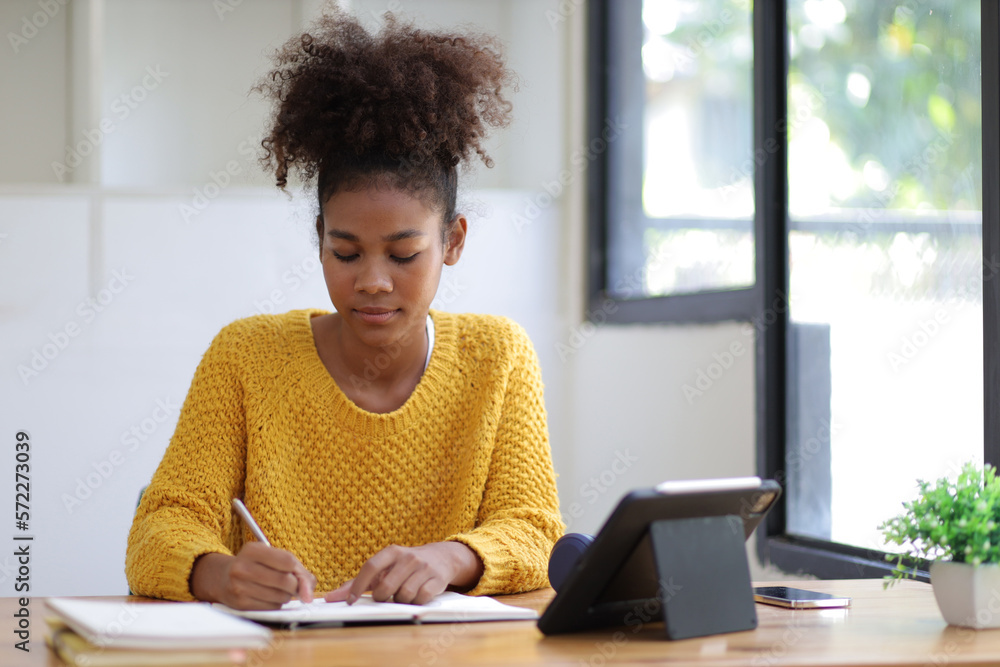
{"x": 404, "y": 260}
{"x": 345, "y": 258}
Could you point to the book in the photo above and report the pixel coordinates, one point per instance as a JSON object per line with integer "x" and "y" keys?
{"x": 76, "y": 651}
{"x": 446, "y": 608}
{"x": 157, "y": 625}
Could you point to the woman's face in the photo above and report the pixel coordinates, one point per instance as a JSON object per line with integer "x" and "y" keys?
{"x": 382, "y": 256}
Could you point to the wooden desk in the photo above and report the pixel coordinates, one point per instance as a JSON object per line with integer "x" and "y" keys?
{"x": 901, "y": 626}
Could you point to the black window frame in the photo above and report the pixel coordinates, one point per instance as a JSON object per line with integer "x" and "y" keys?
{"x": 765, "y": 303}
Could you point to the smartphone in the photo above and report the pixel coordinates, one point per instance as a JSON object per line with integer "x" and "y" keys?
{"x": 796, "y": 598}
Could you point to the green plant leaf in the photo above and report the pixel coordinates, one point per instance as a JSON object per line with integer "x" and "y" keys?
{"x": 958, "y": 521}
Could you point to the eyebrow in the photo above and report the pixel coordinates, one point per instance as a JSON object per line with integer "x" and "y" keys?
{"x": 396, "y": 236}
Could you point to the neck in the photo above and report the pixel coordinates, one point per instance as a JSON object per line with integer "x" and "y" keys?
{"x": 377, "y": 368}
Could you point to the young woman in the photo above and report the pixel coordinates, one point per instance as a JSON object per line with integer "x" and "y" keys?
{"x": 383, "y": 447}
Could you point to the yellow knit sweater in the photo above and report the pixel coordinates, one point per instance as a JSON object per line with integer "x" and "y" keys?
{"x": 466, "y": 459}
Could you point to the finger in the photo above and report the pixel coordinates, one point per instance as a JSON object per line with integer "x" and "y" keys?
{"x": 430, "y": 590}
{"x": 255, "y": 580}
{"x": 371, "y": 574}
{"x": 307, "y": 584}
{"x": 423, "y": 585}
{"x": 248, "y": 593}
{"x": 263, "y": 575}
{"x": 248, "y": 602}
{"x": 276, "y": 559}
{"x": 272, "y": 568}
{"x": 402, "y": 580}
{"x": 340, "y": 593}
{"x": 282, "y": 562}
{"x": 360, "y": 585}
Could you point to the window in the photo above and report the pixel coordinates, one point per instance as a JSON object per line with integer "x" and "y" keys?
{"x": 680, "y": 181}
{"x": 870, "y": 214}
{"x": 885, "y": 258}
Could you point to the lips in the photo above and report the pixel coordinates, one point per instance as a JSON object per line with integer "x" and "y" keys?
{"x": 375, "y": 315}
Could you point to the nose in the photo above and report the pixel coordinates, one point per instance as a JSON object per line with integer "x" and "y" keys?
{"x": 373, "y": 278}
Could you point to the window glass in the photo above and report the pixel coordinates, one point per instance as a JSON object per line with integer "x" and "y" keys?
{"x": 689, "y": 229}
{"x": 885, "y": 356}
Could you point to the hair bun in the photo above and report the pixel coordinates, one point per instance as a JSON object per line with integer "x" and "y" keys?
{"x": 422, "y": 100}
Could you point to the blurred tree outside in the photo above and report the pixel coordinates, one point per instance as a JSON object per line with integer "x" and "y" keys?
{"x": 899, "y": 101}
{"x": 884, "y": 123}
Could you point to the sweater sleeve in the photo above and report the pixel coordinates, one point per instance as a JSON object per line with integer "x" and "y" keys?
{"x": 185, "y": 510}
{"x": 518, "y": 520}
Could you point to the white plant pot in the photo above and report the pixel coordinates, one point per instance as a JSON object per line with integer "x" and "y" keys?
{"x": 967, "y": 595}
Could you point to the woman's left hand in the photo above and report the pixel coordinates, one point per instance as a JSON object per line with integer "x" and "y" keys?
{"x": 412, "y": 575}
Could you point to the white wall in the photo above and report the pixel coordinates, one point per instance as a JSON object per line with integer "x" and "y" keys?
{"x": 198, "y": 110}
{"x": 631, "y": 409}
{"x": 34, "y": 76}
{"x": 615, "y": 395}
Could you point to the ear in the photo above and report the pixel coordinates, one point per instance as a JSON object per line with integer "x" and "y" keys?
{"x": 455, "y": 242}
{"x": 319, "y": 235}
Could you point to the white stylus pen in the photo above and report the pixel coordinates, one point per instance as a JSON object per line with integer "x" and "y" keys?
{"x": 244, "y": 513}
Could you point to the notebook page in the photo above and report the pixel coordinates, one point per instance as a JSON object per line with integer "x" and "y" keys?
{"x": 319, "y": 611}
{"x": 445, "y": 607}
{"x": 455, "y": 607}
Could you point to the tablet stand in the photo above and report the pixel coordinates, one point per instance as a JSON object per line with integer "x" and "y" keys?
{"x": 704, "y": 577}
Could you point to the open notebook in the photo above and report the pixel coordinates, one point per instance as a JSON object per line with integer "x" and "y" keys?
{"x": 445, "y": 608}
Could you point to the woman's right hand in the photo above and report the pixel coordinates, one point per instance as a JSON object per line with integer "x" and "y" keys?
{"x": 258, "y": 577}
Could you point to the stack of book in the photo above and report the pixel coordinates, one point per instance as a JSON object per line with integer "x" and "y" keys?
{"x": 88, "y": 633}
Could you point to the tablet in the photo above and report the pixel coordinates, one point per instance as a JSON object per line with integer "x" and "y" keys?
{"x": 616, "y": 583}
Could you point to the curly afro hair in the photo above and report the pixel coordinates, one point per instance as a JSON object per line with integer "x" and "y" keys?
{"x": 403, "y": 107}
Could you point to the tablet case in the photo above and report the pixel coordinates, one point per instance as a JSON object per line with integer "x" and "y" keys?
{"x": 679, "y": 558}
{"x": 705, "y": 564}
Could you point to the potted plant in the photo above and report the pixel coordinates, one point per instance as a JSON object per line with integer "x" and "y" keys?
{"x": 956, "y": 526}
